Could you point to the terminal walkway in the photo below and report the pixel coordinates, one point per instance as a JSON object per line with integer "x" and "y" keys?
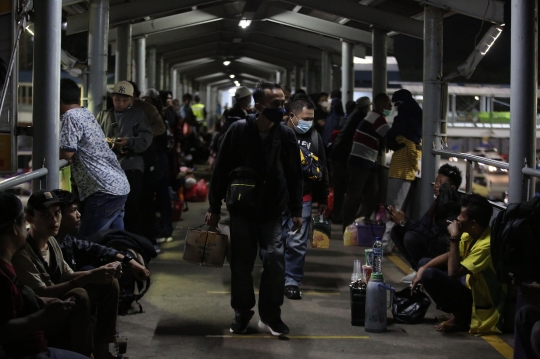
{"x": 187, "y": 313}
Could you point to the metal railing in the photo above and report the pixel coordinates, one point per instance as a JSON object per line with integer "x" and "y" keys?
{"x": 29, "y": 176}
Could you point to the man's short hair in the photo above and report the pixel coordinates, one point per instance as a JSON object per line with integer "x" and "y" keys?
{"x": 453, "y": 173}
{"x": 299, "y": 102}
{"x": 65, "y": 196}
{"x": 136, "y": 92}
{"x": 350, "y": 106}
{"x": 11, "y": 210}
{"x": 197, "y": 98}
{"x": 70, "y": 93}
{"x": 186, "y": 97}
{"x": 380, "y": 97}
{"x": 258, "y": 92}
{"x": 478, "y": 209}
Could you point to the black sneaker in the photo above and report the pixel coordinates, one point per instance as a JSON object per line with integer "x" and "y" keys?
{"x": 292, "y": 292}
{"x": 276, "y": 327}
{"x": 241, "y": 322}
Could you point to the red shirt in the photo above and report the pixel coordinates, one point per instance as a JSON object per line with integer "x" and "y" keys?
{"x": 11, "y": 307}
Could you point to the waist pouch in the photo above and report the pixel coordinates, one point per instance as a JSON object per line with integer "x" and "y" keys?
{"x": 245, "y": 192}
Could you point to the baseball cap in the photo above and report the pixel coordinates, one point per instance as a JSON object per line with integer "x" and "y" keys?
{"x": 10, "y": 208}
{"x": 41, "y": 200}
{"x": 242, "y": 91}
{"x": 363, "y": 101}
{"x": 123, "y": 88}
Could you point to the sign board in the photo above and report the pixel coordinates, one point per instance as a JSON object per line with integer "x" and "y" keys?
{"x": 8, "y": 117}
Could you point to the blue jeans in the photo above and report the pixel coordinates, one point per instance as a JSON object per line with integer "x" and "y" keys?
{"x": 246, "y": 236}
{"x": 296, "y": 245}
{"x": 102, "y": 211}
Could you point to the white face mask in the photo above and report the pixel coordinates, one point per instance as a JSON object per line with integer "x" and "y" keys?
{"x": 324, "y": 104}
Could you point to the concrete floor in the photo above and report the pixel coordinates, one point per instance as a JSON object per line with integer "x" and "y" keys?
{"x": 187, "y": 314}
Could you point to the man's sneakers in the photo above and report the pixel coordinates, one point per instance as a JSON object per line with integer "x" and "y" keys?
{"x": 276, "y": 327}
{"x": 241, "y": 322}
{"x": 408, "y": 278}
{"x": 292, "y": 292}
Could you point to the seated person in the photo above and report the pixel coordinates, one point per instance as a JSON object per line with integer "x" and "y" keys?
{"x": 80, "y": 254}
{"x": 463, "y": 281}
{"x": 428, "y": 237}
{"x": 24, "y": 317}
{"x": 41, "y": 266}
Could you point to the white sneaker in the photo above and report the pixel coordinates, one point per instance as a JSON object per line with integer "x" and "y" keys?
{"x": 408, "y": 278}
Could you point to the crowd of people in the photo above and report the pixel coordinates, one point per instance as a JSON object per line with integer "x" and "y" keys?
{"x": 273, "y": 162}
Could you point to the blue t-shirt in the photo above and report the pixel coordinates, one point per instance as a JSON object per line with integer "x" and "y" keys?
{"x": 94, "y": 165}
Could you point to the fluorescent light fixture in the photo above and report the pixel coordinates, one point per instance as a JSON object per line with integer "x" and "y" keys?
{"x": 244, "y": 23}
{"x": 296, "y": 8}
{"x": 390, "y": 60}
{"x": 476, "y": 98}
{"x": 231, "y": 76}
{"x": 30, "y": 29}
{"x": 226, "y": 63}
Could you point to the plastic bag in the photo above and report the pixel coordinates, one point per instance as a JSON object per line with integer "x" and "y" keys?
{"x": 349, "y": 236}
{"x": 409, "y": 308}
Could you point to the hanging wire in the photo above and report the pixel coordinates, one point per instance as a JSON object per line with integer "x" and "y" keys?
{"x": 22, "y": 17}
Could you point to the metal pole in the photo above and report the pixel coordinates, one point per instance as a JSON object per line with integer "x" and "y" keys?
{"x": 140, "y": 58}
{"x": 347, "y": 72}
{"x": 166, "y": 77}
{"x": 174, "y": 82}
{"x": 151, "y": 67}
{"x": 433, "y": 46}
{"x": 307, "y": 76}
{"x": 210, "y": 107}
{"x": 47, "y": 39}
{"x": 123, "y": 53}
{"x": 454, "y": 107}
{"x": 159, "y": 73}
{"x": 295, "y": 83}
{"x": 523, "y": 88}
{"x": 325, "y": 71}
{"x": 98, "y": 35}
{"x": 278, "y": 76}
{"x": 379, "y": 74}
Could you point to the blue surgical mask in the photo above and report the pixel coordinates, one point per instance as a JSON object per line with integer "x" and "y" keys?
{"x": 303, "y": 126}
{"x": 274, "y": 115}
{"x": 387, "y": 113}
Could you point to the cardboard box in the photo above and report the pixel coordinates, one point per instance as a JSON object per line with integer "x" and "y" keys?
{"x": 205, "y": 248}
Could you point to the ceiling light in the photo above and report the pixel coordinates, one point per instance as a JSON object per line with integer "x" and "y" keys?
{"x": 244, "y": 23}
{"x": 226, "y": 63}
{"x": 476, "y": 98}
{"x": 231, "y": 76}
{"x": 30, "y": 29}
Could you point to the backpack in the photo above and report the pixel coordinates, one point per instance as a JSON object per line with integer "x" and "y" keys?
{"x": 515, "y": 242}
{"x": 131, "y": 288}
{"x": 311, "y": 166}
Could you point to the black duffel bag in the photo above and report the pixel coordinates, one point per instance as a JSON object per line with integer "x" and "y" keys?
{"x": 408, "y": 308}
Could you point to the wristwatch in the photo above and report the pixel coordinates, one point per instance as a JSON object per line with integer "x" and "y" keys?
{"x": 403, "y": 223}
{"x": 127, "y": 258}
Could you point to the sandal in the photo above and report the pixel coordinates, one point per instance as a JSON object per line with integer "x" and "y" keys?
{"x": 447, "y": 327}
{"x": 444, "y": 317}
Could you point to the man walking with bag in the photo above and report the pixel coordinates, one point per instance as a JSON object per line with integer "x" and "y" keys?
{"x": 259, "y": 174}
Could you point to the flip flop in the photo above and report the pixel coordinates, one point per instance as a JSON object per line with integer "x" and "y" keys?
{"x": 444, "y": 317}
{"x": 446, "y": 327}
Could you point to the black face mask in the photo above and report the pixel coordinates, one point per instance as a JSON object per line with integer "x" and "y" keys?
{"x": 274, "y": 115}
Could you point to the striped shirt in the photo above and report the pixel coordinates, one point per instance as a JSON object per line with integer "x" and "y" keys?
{"x": 366, "y": 140}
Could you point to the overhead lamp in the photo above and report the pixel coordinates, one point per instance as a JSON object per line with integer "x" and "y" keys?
{"x": 467, "y": 68}
{"x": 231, "y": 76}
{"x": 30, "y": 29}
{"x": 226, "y": 63}
{"x": 244, "y": 23}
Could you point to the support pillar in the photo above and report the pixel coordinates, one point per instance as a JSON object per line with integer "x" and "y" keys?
{"x": 523, "y": 92}
{"x": 151, "y": 68}
{"x": 326, "y": 68}
{"x": 123, "y": 53}
{"x": 433, "y": 52}
{"x": 166, "y": 77}
{"x": 140, "y": 59}
{"x": 47, "y": 39}
{"x": 379, "y": 74}
{"x": 210, "y": 107}
{"x": 454, "y": 107}
{"x": 347, "y": 72}
{"x": 98, "y": 33}
{"x": 295, "y": 82}
{"x": 278, "y": 76}
{"x": 174, "y": 82}
{"x": 307, "y": 77}
{"x": 159, "y": 73}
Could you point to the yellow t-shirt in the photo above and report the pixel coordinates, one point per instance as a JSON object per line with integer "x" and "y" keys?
{"x": 488, "y": 294}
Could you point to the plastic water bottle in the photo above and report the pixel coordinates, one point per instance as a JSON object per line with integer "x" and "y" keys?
{"x": 377, "y": 255}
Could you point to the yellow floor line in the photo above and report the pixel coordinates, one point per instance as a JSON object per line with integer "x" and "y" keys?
{"x": 400, "y": 263}
{"x": 495, "y": 341}
{"x": 500, "y": 345}
{"x": 289, "y": 336}
{"x": 306, "y": 293}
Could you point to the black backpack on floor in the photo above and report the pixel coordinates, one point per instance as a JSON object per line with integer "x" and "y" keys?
{"x": 515, "y": 242}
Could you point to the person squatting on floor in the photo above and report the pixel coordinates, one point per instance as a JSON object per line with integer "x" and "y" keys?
{"x": 315, "y": 189}
{"x": 259, "y": 173}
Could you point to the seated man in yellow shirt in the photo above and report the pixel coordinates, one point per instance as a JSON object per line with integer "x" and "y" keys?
{"x": 463, "y": 282}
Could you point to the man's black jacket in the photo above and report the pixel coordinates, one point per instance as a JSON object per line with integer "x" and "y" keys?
{"x": 242, "y": 145}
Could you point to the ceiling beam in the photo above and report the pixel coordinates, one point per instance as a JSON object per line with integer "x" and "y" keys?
{"x": 131, "y": 10}
{"x": 367, "y": 15}
{"x": 490, "y": 10}
{"x": 323, "y": 27}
